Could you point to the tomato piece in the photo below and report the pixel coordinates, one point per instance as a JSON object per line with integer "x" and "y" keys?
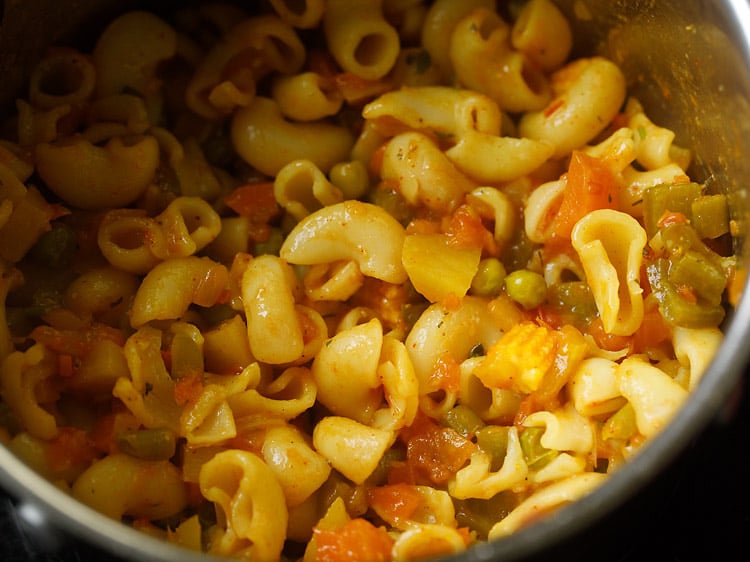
{"x": 70, "y": 448}
{"x": 357, "y": 539}
{"x": 255, "y": 201}
{"x": 466, "y": 230}
{"x": 188, "y": 389}
{"x": 76, "y": 343}
{"x": 590, "y": 185}
{"x": 446, "y": 375}
{"x": 434, "y": 452}
{"x": 394, "y": 501}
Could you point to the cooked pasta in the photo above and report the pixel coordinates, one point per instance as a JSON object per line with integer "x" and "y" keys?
{"x": 323, "y": 281}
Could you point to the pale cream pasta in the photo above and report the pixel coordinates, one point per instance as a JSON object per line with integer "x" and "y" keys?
{"x": 324, "y": 280}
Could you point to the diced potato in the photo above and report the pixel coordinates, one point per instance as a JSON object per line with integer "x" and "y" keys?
{"x": 438, "y": 268}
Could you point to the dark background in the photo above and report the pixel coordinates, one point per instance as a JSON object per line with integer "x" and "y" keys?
{"x": 699, "y": 509}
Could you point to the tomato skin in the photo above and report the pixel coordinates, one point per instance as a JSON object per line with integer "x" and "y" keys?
{"x": 357, "y": 539}
{"x": 590, "y": 185}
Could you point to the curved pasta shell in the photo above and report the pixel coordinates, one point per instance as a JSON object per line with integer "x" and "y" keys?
{"x": 350, "y": 230}
{"x": 610, "y": 244}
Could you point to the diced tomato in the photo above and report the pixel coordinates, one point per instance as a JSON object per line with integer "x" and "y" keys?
{"x": 589, "y": 185}
{"x": 668, "y": 218}
{"x": 466, "y": 230}
{"x": 394, "y": 501}
{"x": 255, "y": 201}
{"x": 188, "y": 389}
{"x": 434, "y": 452}
{"x": 608, "y": 342}
{"x": 357, "y": 539}
{"x": 376, "y": 162}
{"x": 70, "y": 448}
{"x": 446, "y": 374}
{"x": 652, "y": 331}
{"x": 76, "y": 343}
{"x": 65, "y": 365}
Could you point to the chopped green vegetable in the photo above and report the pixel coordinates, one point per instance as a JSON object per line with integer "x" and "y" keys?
{"x": 480, "y": 515}
{"x": 463, "y": 420}
{"x": 394, "y": 204}
{"x": 493, "y": 440}
{"x": 676, "y": 198}
{"x": 56, "y": 248}
{"x": 574, "y": 301}
{"x": 710, "y": 216}
{"x": 489, "y": 278}
{"x": 272, "y": 245}
{"x": 527, "y": 288}
{"x": 675, "y": 308}
{"x": 705, "y": 278}
{"x": 148, "y": 444}
{"x": 537, "y": 456}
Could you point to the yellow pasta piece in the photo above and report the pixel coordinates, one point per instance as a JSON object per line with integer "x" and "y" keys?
{"x": 119, "y": 485}
{"x": 95, "y": 178}
{"x": 252, "y": 503}
{"x": 353, "y": 230}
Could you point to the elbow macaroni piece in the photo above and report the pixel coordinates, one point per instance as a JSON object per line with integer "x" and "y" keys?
{"x": 21, "y": 373}
{"x": 493, "y": 159}
{"x": 252, "y": 502}
{"x": 545, "y": 500}
{"x": 360, "y": 38}
{"x": 588, "y": 94}
{"x": 543, "y": 34}
{"x": 301, "y": 187}
{"x": 308, "y": 96}
{"x": 267, "y": 141}
{"x": 655, "y": 396}
{"x": 129, "y": 51}
{"x": 299, "y": 469}
{"x": 423, "y": 172}
{"x": 352, "y": 448}
{"x": 439, "y": 23}
{"x": 694, "y": 349}
{"x": 440, "y": 331}
{"x": 119, "y": 485}
{"x": 610, "y": 245}
{"x": 173, "y": 285}
{"x": 435, "y": 109}
{"x": 67, "y": 68}
{"x": 476, "y": 480}
{"x": 95, "y": 178}
{"x": 565, "y": 429}
{"x": 350, "y": 230}
{"x": 506, "y": 75}
{"x": 226, "y": 76}
{"x": 304, "y": 16}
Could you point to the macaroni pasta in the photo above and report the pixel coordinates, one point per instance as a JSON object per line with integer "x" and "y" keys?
{"x": 335, "y": 280}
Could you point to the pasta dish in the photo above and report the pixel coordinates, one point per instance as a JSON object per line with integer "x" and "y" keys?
{"x": 330, "y": 280}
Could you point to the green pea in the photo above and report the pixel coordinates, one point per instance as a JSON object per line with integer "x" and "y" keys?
{"x": 272, "y": 245}
{"x": 56, "y": 247}
{"x": 527, "y": 288}
{"x": 488, "y": 280}
{"x": 462, "y": 419}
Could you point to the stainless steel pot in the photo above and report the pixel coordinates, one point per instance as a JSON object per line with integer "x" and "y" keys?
{"x": 687, "y": 61}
